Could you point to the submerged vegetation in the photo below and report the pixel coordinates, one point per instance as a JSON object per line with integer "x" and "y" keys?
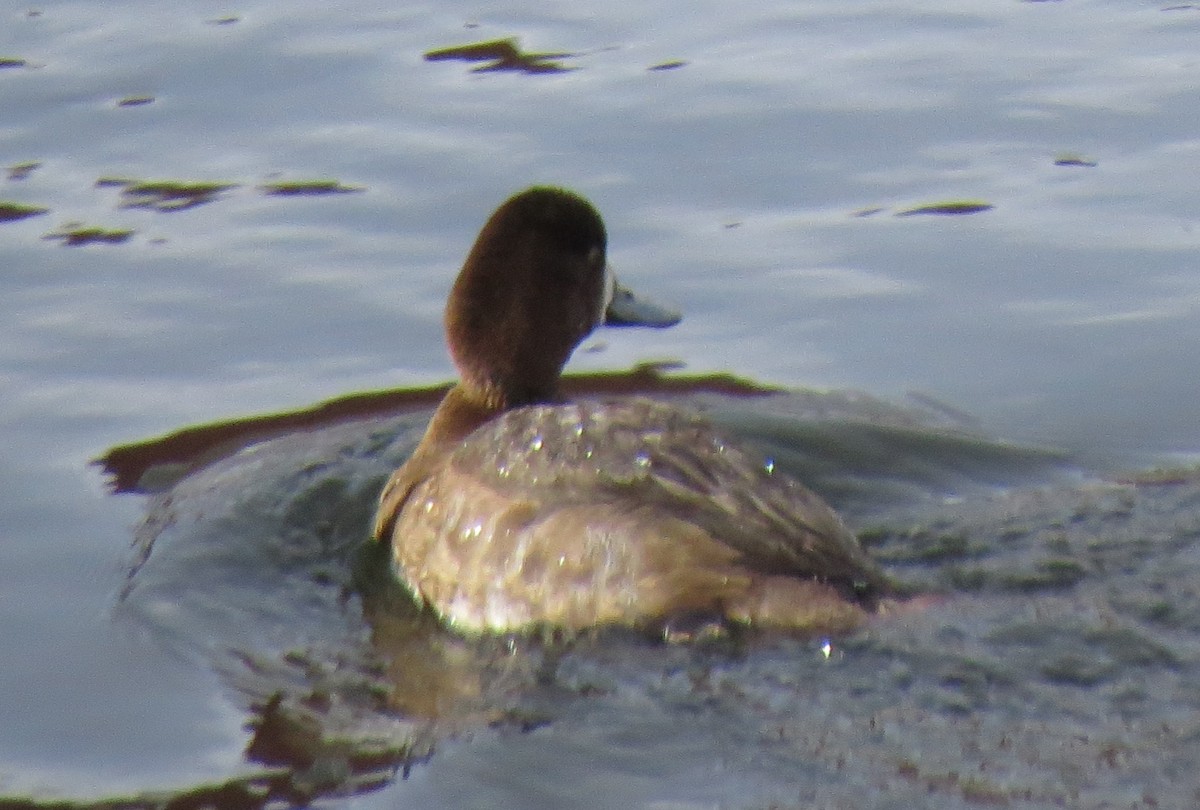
{"x": 166, "y": 195}
{"x": 135, "y": 101}
{"x": 1070, "y": 159}
{"x": 502, "y": 54}
{"x": 13, "y": 211}
{"x": 178, "y": 195}
{"x": 21, "y": 171}
{"x": 153, "y": 195}
{"x": 75, "y": 234}
{"x": 308, "y": 188}
{"x": 948, "y": 208}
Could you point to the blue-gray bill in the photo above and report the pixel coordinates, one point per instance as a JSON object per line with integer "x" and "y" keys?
{"x": 626, "y": 309}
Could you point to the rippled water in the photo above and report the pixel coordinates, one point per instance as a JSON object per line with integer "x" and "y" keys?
{"x": 755, "y": 186}
{"x": 1058, "y": 664}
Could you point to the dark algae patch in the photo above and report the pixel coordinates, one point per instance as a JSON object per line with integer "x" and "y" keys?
{"x": 165, "y": 195}
{"x": 10, "y": 62}
{"x": 177, "y": 195}
{"x": 135, "y": 101}
{"x": 21, "y": 171}
{"x": 172, "y": 196}
{"x": 76, "y": 235}
{"x": 308, "y": 188}
{"x": 11, "y": 211}
{"x": 867, "y": 212}
{"x": 1075, "y": 160}
{"x": 671, "y": 65}
{"x": 502, "y": 54}
{"x": 949, "y": 208}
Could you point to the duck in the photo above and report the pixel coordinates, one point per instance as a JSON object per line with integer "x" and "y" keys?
{"x": 519, "y": 511}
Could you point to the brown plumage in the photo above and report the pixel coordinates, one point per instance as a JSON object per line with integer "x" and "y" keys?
{"x": 514, "y": 512}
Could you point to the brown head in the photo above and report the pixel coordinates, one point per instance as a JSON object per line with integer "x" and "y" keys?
{"x": 533, "y": 286}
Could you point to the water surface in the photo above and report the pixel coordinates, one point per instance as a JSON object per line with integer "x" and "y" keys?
{"x": 755, "y": 186}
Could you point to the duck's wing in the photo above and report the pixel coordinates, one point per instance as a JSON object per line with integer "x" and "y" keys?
{"x": 637, "y": 454}
{"x": 775, "y": 524}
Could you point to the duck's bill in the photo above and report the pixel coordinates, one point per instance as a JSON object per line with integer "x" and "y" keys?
{"x": 626, "y": 309}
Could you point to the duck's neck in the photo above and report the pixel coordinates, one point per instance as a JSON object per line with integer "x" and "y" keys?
{"x": 460, "y": 413}
{"x": 455, "y": 417}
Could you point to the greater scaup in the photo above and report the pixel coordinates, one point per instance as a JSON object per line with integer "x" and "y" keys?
{"x": 517, "y": 511}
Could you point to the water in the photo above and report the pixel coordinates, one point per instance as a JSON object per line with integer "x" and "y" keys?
{"x": 1064, "y": 316}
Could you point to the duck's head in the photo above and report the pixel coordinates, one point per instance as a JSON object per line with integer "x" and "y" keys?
{"x": 534, "y": 285}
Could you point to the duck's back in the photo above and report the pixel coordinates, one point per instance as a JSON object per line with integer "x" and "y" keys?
{"x": 630, "y": 512}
